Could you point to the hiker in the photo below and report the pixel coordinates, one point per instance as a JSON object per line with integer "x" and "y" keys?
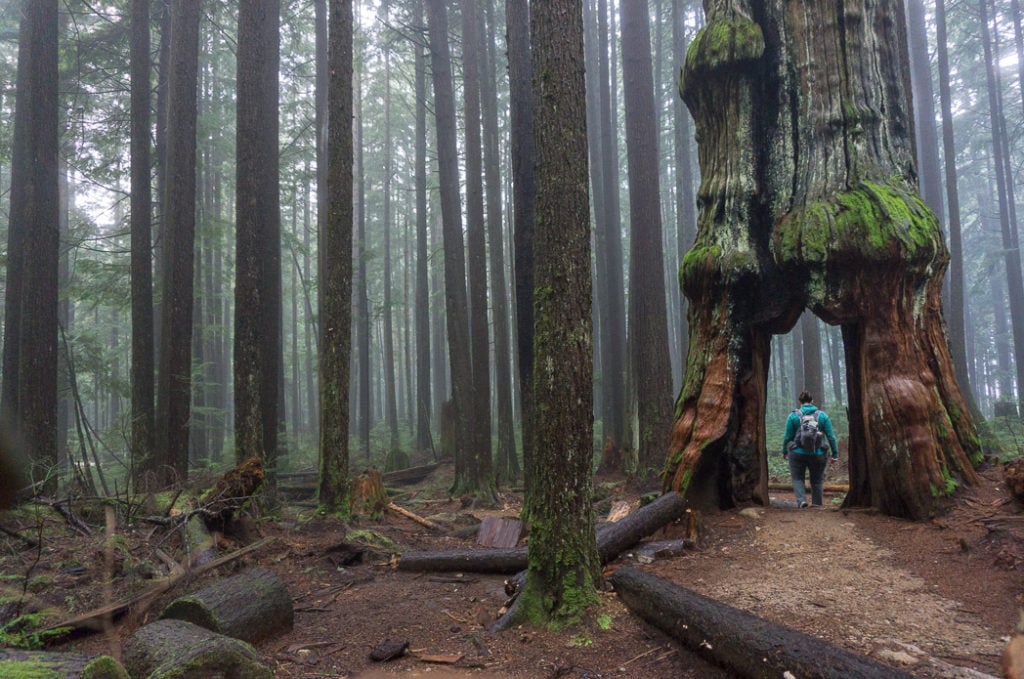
{"x": 807, "y": 429}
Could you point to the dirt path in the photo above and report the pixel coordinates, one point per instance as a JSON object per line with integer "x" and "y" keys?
{"x": 904, "y": 593}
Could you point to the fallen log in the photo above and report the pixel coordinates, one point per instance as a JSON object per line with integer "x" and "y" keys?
{"x": 472, "y": 560}
{"x": 97, "y": 617}
{"x": 615, "y": 538}
{"x": 747, "y": 645}
{"x": 409, "y": 476}
{"x": 250, "y": 606}
{"x": 175, "y": 648}
{"x": 612, "y": 540}
{"x": 19, "y": 663}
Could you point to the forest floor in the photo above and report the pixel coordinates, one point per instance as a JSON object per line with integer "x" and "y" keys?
{"x": 938, "y": 598}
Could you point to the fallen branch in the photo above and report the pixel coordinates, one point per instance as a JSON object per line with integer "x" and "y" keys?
{"x": 14, "y": 534}
{"x": 61, "y": 507}
{"x": 401, "y": 511}
{"x": 612, "y": 540}
{"x": 95, "y": 618}
{"x": 747, "y": 645}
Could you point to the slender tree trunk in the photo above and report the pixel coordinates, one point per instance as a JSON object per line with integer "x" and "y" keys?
{"x": 174, "y": 376}
{"x": 648, "y": 319}
{"x": 954, "y": 311}
{"x": 517, "y": 20}
{"x": 810, "y": 343}
{"x": 390, "y": 387}
{"x": 1004, "y": 182}
{"x": 456, "y": 301}
{"x": 507, "y": 460}
{"x": 336, "y": 272}
{"x": 142, "y": 366}
{"x": 362, "y": 285}
{"x": 613, "y": 363}
{"x": 475, "y": 474}
{"x": 422, "y": 307}
{"x": 927, "y": 138}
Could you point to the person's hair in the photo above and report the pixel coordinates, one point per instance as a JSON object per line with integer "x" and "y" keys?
{"x": 805, "y": 397}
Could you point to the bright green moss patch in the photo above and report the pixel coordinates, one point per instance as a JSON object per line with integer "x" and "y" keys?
{"x": 722, "y": 42}
{"x": 877, "y": 219}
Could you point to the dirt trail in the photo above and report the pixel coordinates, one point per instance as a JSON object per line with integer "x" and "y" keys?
{"x": 840, "y": 576}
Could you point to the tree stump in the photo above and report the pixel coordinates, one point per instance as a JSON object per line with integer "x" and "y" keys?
{"x": 369, "y": 497}
{"x": 169, "y": 649}
{"x": 747, "y": 645}
{"x": 231, "y": 491}
{"x": 250, "y": 606}
{"x": 46, "y": 664}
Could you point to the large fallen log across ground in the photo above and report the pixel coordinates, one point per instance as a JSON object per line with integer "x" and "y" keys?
{"x": 19, "y": 663}
{"x": 250, "y": 606}
{"x": 169, "y": 649}
{"x": 612, "y": 540}
{"x": 747, "y": 645}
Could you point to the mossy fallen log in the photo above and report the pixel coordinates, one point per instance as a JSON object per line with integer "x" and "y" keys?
{"x": 749, "y": 646}
{"x": 176, "y": 649}
{"x": 250, "y": 606}
{"x": 612, "y": 540}
{"x": 19, "y": 664}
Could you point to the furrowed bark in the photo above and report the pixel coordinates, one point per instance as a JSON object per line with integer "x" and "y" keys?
{"x": 808, "y": 200}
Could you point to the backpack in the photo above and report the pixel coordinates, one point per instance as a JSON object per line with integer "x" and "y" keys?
{"x": 808, "y": 436}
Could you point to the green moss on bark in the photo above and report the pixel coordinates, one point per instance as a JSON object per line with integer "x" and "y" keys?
{"x": 724, "y": 42}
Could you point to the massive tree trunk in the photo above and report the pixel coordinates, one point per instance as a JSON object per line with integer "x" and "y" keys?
{"x": 808, "y": 200}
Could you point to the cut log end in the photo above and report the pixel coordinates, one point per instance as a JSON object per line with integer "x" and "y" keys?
{"x": 250, "y": 606}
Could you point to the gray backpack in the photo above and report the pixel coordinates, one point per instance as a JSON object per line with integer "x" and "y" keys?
{"x": 808, "y": 435}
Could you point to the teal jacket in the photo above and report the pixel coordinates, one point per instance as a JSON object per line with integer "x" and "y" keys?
{"x": 825, "y": 424}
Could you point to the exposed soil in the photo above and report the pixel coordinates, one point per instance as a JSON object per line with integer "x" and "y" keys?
{"x": 938, "y": 599}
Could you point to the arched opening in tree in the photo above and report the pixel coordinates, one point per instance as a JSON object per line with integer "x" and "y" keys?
{"x": 808, "y": 201}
